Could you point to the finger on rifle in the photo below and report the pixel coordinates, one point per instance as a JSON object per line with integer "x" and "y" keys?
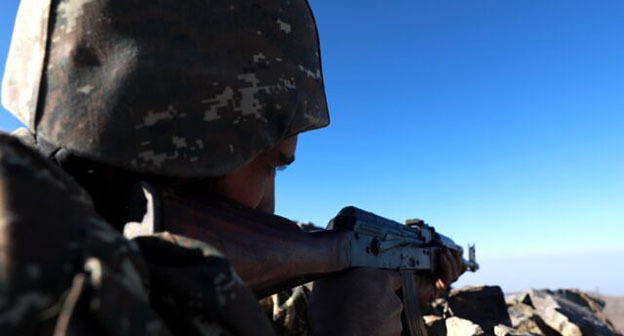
{"x": 440, "y": 286}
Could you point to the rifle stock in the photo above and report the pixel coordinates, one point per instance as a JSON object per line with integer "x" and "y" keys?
{"x": 269, "y": 252}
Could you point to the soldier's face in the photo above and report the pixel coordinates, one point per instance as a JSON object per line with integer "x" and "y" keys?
{"x": 253, "y": 185}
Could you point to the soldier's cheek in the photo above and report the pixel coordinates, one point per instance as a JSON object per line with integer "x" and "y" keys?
{"x": 246, "y": 185}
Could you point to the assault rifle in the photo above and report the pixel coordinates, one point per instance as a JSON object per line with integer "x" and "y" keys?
{"x": 382, "y": 243}
{"x": 272, "y": 253}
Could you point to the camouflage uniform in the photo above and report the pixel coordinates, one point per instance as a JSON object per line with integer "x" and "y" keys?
{"x": 66, "y": 271}
{"x": 182, "y": 89}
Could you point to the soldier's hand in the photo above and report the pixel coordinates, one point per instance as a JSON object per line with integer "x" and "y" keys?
{"x": 361, "y": 301}
{"x": 431, "y": 287}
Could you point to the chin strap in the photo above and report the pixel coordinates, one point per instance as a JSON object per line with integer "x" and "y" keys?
{"x": 411, "y": 309}
{"x": 55, "y": 153}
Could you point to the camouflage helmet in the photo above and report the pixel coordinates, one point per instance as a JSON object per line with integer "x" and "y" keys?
{"x": 190, "y": 88}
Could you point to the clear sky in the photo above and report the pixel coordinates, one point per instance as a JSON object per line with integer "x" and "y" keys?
{"x": 498, "y": 122}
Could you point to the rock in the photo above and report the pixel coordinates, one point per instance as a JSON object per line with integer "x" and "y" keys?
{"x": 567, "y": 316}
{"x": 456, "y": 326}
{"x": 525, "y": 319}
{"x": 483, "y": 310}
{"x": 503, "y": 330}
{"x": 581, "y": 299}
{"x": 483, "y": 305}
{"x": 524, "y": 298}
{"x": 436, "y": 325}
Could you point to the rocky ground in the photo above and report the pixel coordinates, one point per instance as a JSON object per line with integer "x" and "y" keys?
{"x": 484, "y": 310}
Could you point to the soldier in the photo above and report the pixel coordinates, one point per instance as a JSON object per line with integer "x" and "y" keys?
{"x": 195, "y": 95}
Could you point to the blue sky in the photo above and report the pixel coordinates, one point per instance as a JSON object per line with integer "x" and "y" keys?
{"x": 498, "y": 122}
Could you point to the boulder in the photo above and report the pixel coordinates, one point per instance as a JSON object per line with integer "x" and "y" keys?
{"x": 483, "y": 305}
{"x": 581, "y": 299}
{"x": 524, "y": 298}
{"x": 525, "y": 319}
{"x": 436, "y": 325}
{"x": 456, "y": 326}
{"x": 565, "y": 315}
{"x": 483, "y": 310}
